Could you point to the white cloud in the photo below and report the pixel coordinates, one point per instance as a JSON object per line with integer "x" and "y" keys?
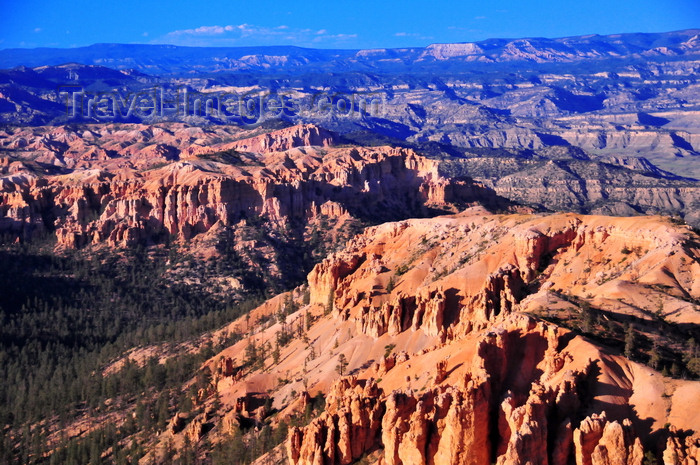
{"x": 413, "y": 35}
{"x": 203, "y": 30}
{"x": 250, "y": 34}
{"x": 341, "y": 36}
{"x": 37, "y": 29}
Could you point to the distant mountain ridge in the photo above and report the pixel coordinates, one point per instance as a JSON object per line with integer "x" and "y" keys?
{"x": 620, "y": 96}
{"x": 167, "y": 59}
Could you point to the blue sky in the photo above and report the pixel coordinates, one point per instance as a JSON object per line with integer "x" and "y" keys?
{"x": 327, "y": 24}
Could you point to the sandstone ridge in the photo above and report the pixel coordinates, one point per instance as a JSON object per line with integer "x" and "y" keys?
{"x": 465, "y": 340}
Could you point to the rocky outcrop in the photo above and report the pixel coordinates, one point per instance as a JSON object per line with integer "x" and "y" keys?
{"x": 442, "y": 323}
{"x": 441, "y": 426}
{"x": 326, "y": 275}
{"x": 615, "y": 185}
{"x": 447, "y": 51}
{"x": 188, "y": 198}
{"x": 303, "y": 135}
{"x": 517, "y": 405}
{"x": 345, "y": 431}
{"x": 681, "y": 451}
{"x": 385, "y": 364}
{"x": 449, "y": 285}
{"x": 230, "y": 422}
{"x": 500, "y": 294}
{"x": 523, "y": 429}
{"x": 195, "y": 429}
{"x": 532, "y": 246}
{"x": 432, "y": 309}
{"x": 444, "y": 425}
{"x": 425, "y": 311}
{"x": 601, "y": 442}
{"x": 177, "y": 422}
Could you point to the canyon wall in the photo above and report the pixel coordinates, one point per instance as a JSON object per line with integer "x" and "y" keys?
{"x": 519, "y": 403}
{"x": 187, "y": 197}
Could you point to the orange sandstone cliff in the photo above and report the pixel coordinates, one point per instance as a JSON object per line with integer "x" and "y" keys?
{"x": 127, "y": 196}
{"x": 467, "y": 340}
{"x": 473, "y": 338}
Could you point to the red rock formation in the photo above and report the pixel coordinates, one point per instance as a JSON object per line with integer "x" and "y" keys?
{"x": 532, "y": 245}
{"x": 187, "y": 198}
{"x": 440, "y": 371}
{"x": 195, "y": 429}
{"x": 601, "y": 442}
{"x": 447, "y": 425}
{"x": 500, "y": 294}
{"x": 507, "y": 410}
{"x": 469, "y": 289}
{"x": 230, "y": 422}
{"x": 444, "y": 425}
{"x": 349, "y": 426}
{"x": 475, "y": 379}
{"x": 303, "y": 135}
{"x": 681, "y": 451}
{"x": 177, "y": 422}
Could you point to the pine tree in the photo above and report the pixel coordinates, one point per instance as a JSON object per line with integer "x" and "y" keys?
{"x": 589, "y": 317}
{"x": 655, "y": 356}
{"x": 162, "y": 411}
{"x": 630, "y": 342}
{"x": 675, "y": 370}
{"x": 342, "y": 364}
{"x": 276, "y": 354}
{"x": 391, "y": 285}
{"x": 251, "y": 353}
{"x": 188, "y": 452}
{"x": 649, "y": 458}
